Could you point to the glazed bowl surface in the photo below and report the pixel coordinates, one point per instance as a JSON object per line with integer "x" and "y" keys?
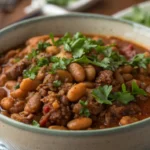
{"x": 18, "y": 136}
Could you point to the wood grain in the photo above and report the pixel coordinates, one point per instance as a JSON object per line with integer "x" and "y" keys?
{"x": 107, "y": 7}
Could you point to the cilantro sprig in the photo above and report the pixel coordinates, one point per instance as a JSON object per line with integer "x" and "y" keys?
{"x": 43, "y": 45}
{"x": 43, "y": 62}
{"x": 136, "y": 90}
{"x": 124, "y": 96}
{"x": 31, "y": 73}
{"x": 103, "y": 94}
{"x": 81, "y": 47}
{"x": 78, "y": 44}
{"x": 59, "y": 63}
{"x": 140, "y": 60}
{"x": 33, "y": 54}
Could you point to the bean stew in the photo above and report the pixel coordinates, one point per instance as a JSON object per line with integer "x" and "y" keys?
{"x": 75, "y": 82}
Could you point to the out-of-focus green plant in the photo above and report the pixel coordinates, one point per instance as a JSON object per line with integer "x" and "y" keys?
{"x": 60, "y": 2}
{"x": 140, "y": 16}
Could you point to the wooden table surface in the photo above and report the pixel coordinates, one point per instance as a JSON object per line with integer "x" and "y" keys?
{"x": 107, "y": 7}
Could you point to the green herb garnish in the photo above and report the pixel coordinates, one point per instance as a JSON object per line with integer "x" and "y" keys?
{"x": 43, "y": 45}
{"x": 33, "y": 54}
{"x": 103, "y": 94}
{"x": 59, "y": 63}
{"x": 84, "y": 111}
{"x": 78, "y": 45}
{"x": 31, "y": 73}
{"x": 43, "y": 62}
{"x": 136, "y": 90}
{"x": 140, "y": 60}
{"x": 57, "y": 83}
{"x": 124, "y": 96}
{"x": 35, "y": 123}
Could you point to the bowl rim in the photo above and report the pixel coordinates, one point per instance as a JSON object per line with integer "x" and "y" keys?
{"x": 98, "y": 132}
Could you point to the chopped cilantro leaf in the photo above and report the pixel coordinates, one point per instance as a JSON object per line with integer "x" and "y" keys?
{"x": 33, "y": 54}
{"x": 112, "y": 59}
{"x": 78, "y": 44}
{"x": 101, "y": 94}
{"x": 110, "y": 63}
{"x": 63, "y": 40}
{"x": 59, "y": 63}
{"x": 125, "y": 96}
{"x": 57, "y": 83}
{"x": 136, "y": 90}
{"x": 43, "y": 61}
{"x": 31, "y": 73}
{"x": 140, "y": 60}
{"x": 35, "y": 123}
{"x": 43, "y": 45}
{"x": 84, "y": 111}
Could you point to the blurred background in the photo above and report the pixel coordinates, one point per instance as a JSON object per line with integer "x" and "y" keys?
{"x": 12, "y": 11}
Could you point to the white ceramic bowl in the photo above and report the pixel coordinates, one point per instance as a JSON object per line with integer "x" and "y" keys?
{"x": 18, "y": 136}
{"x": 145, "y": 6}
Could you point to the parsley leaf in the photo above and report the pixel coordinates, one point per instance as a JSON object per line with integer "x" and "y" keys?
{"x": 136, "y": 90}
{"x": 57, "y": 83}
{"x": 43, "y": 61}
{"x": 35, "y": 123}
{"x": 140, "y": 60}
{"x": 31, "y": 73}
{"x": 84, "y": 111}
{"x": 59, "y": 63}
{"x": 101, "y": 94}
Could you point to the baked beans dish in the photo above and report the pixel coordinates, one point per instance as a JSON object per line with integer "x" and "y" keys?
{"x": 75, "y": 82}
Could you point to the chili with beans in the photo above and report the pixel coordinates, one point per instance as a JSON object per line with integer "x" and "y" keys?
{"x": 75, "y": 82}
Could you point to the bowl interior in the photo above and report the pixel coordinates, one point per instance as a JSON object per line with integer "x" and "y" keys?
{"x": 90, "y": 24}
